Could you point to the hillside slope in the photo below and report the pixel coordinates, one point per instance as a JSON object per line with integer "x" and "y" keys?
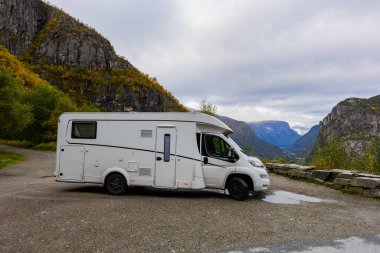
{"x": 245, "y": 137}
{"x": 29, "y": 106}
{"x": 303, "y": 146}
{"x": 277, "y": 133}
{"x": 78, "y": 60}
{"x": 350, "y": 135}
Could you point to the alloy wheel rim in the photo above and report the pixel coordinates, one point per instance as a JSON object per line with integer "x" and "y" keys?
{"x": 116, "y": 184}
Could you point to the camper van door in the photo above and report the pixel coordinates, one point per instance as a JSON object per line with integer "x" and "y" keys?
{"x": 71, "y": 162}
{"x": 165, "y": 172}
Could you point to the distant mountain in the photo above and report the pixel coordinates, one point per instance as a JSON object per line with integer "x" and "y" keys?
{"x": 300, "y": 130}
{"x": 245, "y": 137}
{"x": 277, "y": 133}
{"x": 303, "y": 146}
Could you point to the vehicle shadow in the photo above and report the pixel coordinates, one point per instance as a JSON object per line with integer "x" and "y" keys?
{"x": 164, "y": 193}
{"x": 152, "y": 192}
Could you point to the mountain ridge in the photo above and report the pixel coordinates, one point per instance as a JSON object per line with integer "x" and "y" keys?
{"x": 303, "y": 147}
{"x": 275, "y": 132}
{"x": 245, "y": 137}
{"x": 78, "y": 60}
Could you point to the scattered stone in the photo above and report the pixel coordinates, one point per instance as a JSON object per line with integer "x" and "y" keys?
{"x": 279, "y": 171}
{"x": 280, "y": 166}
{"x": 269, "y": 166}
{"x": 347, "y": 175}
{"x": 333, "y": 174}
{"x": 359, "y": 182}
{"x": 294, "y": 166}
{"x": 342, "y": 181}
{"x": 306, "y": 168}
{"x": 371, "y": 192}
{"x": 367, "y": 175}
{"x": 320, "y": 174}
{"x": 318, "y": 180}
{"x": 293, "y": 173}
{"x": 366, "y": 182}
{"x": 297, "y": 173}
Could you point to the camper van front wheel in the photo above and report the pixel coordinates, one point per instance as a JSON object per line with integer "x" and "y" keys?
{"x": 116, "y": 184}
{"x": 238, "y": 188}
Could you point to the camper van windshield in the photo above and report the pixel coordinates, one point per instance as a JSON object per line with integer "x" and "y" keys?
{"x": 236, "y": 146}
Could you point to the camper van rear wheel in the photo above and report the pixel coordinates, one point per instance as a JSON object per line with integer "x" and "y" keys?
{"x": 116, "y": 184}
{"x": 238, "y": 188}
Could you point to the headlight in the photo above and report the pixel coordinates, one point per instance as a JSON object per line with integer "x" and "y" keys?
{"x": 257, "y": 164}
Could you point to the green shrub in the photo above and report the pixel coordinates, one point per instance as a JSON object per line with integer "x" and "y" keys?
{"x": 15, "y": 115}
{"x": 334, "y": 156}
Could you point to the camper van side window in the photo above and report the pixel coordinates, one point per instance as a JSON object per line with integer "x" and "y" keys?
{"x": 166, "y": 147}
{"x": 83, "y": 130}
{"x": 216, "y": 146}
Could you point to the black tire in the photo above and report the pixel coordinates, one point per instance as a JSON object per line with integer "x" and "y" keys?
{"x": 116, "y": 184}
{"x": 238, "y": 188}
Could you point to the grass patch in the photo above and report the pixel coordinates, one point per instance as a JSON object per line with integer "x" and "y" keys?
{"x": 50, "y": 146}
{"x": 8, "y": 158}
{"x": 18, "y": 144}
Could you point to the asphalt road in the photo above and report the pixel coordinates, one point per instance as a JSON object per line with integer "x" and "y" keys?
{"x": 38, "y": 214}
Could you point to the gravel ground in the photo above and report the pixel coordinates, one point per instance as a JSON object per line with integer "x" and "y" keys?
{"x": 38, "y": 214}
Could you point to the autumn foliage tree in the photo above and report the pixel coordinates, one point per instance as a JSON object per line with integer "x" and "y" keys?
{"x": 207, "y": 107}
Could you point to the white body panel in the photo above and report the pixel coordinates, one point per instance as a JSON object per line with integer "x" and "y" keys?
{"x": 133, "y": 144}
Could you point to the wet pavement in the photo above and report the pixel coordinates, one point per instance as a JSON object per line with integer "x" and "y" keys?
{"x": 368, "y": 244}
{"x": 285, "y": 197}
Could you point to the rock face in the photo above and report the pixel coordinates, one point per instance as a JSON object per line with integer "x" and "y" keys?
{"x": 20, "y": 21}
{"x": 248, "y": 140}
{"x": 354, "y": 121}
{"x": 47, "y": 34}
{"x": 78, "y": 60}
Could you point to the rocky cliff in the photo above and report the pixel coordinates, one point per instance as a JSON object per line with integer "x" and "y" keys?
{"x": 354, "y": 121}
{"x": 77, "y": 59}
{"x": 42, "y": 33}
{"x": 349, "y": 136}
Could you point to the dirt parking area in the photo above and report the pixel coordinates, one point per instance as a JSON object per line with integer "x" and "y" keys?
{"x": 38, "y": 214}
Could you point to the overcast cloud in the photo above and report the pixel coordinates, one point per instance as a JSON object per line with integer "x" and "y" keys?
{"x": 256, "y": 60}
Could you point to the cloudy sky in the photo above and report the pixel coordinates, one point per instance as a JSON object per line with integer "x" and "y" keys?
{"x": 290, "y": 60}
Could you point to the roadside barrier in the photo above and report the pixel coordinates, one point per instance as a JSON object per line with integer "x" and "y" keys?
{"x": 345, "y": 180}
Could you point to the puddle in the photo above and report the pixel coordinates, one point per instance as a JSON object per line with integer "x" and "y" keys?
{"x": 285, "y": 197}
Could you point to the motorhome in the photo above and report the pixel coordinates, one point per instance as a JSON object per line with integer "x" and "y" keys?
{"x": 172, "y": 150}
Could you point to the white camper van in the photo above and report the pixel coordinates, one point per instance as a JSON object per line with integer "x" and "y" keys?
{"x": 162, "y": 150}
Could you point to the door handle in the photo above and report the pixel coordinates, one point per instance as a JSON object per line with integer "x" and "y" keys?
{"x": 158, "y": 158}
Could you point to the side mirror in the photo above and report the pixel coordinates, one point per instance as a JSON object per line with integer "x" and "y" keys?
{"x": 231, "y": 155}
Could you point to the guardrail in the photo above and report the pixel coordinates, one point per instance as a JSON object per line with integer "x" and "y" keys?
{"x": 366, "y": 184}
